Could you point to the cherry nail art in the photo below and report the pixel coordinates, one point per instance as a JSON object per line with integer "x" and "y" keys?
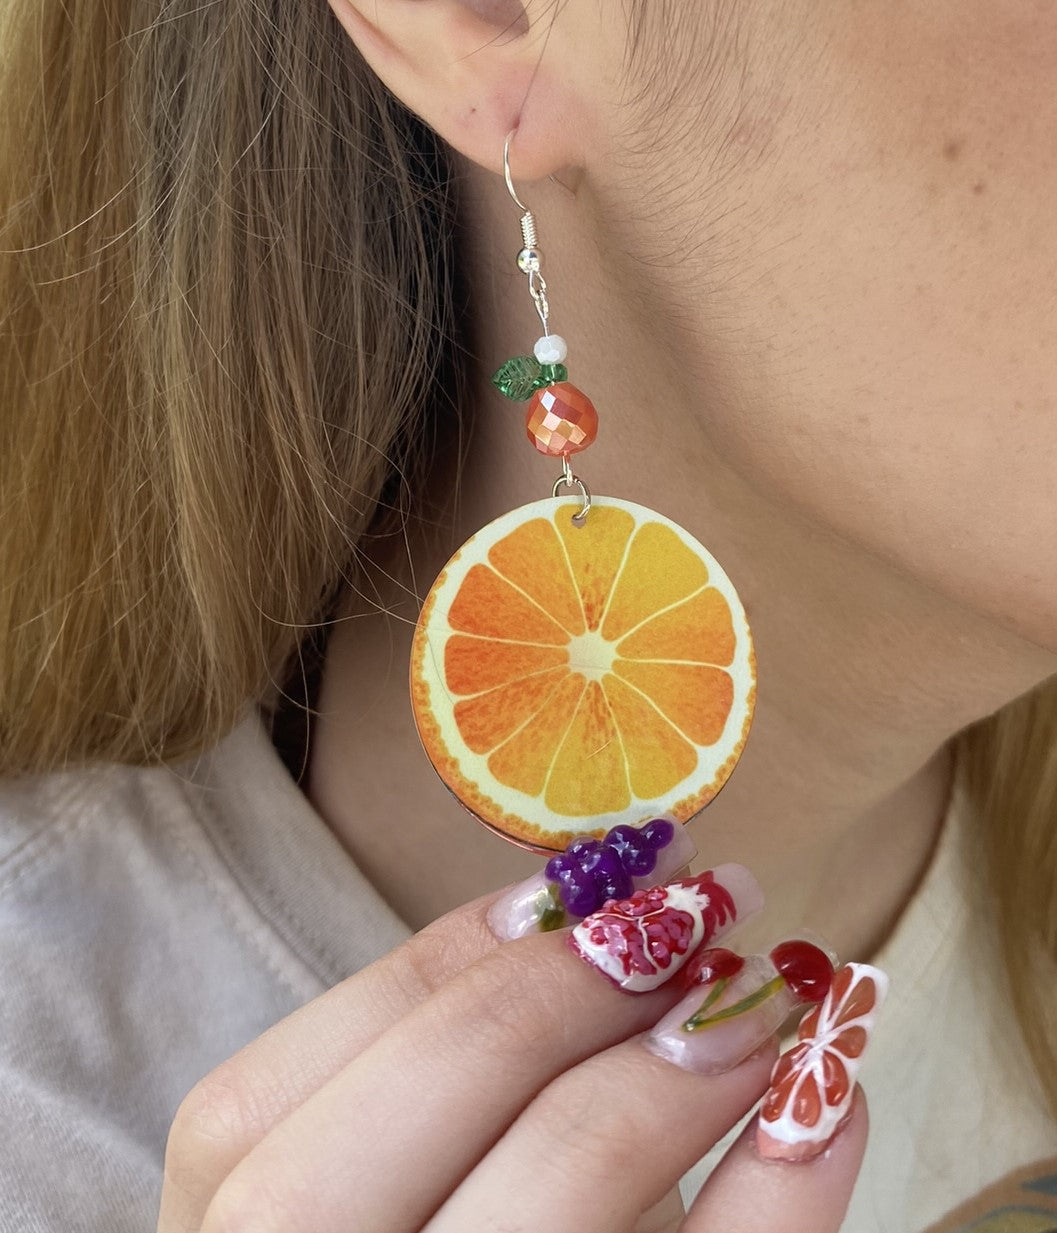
{"x": 812, "y": 1083}
{"x": 798, "y": 969}
{"x": 640, "y": 942}
{"x": 735, "y": 1004}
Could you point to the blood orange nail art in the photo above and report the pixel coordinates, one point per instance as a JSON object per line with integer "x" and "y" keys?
{"x": 640, "y": 942}
{"x": 812, "y": 1084}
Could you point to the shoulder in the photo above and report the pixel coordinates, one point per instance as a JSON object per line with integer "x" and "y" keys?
{"x": 38, "y": 812}
{"x": 111, "y": 880}
{"x": 131, "y": 963}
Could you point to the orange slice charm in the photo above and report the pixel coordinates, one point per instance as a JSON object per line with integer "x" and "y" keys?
{"x": 567, "y": 678}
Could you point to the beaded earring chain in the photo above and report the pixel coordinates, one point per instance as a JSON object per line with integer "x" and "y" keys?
{"x": 581, "y": 663}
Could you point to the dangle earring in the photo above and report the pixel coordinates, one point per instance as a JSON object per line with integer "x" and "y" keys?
{"x": 581, "y": 663}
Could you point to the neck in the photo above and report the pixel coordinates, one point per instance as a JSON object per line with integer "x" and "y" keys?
{"x": 864, "y": 673}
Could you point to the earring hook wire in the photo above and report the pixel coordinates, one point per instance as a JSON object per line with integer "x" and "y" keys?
{"x": 538, "y": 291}
{"x": 506, "y": 173}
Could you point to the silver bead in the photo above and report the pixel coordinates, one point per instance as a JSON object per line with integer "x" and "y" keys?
{"x": 529, "y": 260}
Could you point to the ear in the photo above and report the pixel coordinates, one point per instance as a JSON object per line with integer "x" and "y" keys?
{"x": 476, "y": 69}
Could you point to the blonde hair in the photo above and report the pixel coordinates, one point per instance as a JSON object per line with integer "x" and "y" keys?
{"x": 1009, "y": 765}
{"x": 226, "y": 259}
{"x": 226, "y": 308}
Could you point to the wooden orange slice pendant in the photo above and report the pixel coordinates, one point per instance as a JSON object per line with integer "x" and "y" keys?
{"x": 567, "y": 678}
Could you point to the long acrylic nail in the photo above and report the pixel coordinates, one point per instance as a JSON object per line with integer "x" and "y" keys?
{"x": 657, "y": 848}
{"x": 721, "y": 1023}
{"x": 735, "y": 1004}
{"x": 813, "y": 1083}
{"x": 641, "y": 942}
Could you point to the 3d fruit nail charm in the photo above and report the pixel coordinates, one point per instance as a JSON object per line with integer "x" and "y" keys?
{"x": 591, "y": 871}
{"x": 800, "y": 967}
{"x": 640, "y": 942}
{"x": 805, "y": 968}
{"x": 812, "y": 1084}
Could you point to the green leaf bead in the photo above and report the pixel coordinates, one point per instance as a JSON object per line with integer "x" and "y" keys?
{"x": 517, "y": 378}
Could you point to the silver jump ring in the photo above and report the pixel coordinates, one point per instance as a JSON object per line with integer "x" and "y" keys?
{"x": 568, "y": 480}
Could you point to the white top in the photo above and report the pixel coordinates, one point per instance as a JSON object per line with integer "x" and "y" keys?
{"x": 153, "y": 921}
{"x": 954, "y": 1106}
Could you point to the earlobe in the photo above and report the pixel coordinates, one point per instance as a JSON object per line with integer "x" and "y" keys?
{"x": 474, "y": 70}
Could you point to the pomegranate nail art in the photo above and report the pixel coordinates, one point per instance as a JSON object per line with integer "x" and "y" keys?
{"x": 641, "y": 942}
{"x": 812, "y": 1083}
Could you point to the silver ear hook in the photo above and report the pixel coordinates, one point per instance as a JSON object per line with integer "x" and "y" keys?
{"x": 530, "y": 258}
{"x": 506, "y": 173}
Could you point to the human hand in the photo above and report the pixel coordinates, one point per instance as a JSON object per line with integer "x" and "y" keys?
{"x": 459, "y": 1085}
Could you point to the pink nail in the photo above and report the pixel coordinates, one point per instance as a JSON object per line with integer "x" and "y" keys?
{"x": 640, "y": 943}
{"x": 693, "y": 1037}
{"x": 534, "y": 906}
{"x": 813, "y": 1083}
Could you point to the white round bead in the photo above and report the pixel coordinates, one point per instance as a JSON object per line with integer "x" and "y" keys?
{"x": 550, "y": 349}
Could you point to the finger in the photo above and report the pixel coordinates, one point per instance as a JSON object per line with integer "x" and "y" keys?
{"x": 663, "y": 1217}
{"x": 231, "y": 1110}
{"x": 445, "y": 1082}
{"x": 602, "y": 1144}
{"x": 749, "y": 1194}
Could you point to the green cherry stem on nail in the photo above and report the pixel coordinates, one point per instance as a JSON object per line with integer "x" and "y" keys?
{"x": 714, "y": 994}
{"x": 702, "y": 1019}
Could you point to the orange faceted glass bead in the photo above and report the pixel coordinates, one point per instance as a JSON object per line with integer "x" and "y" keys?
{"x": 561, "y": 420}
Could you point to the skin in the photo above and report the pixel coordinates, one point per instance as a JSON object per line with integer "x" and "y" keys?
{"x": 805, "y": 259}
{"x": 817, "y": 326}
{"x": 520, "y": 1124}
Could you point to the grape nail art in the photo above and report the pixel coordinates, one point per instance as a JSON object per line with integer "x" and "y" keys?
{"x": 813, "y": 1083}
{"x": 590, "y": 871}
{"x": 640, "y": 942}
